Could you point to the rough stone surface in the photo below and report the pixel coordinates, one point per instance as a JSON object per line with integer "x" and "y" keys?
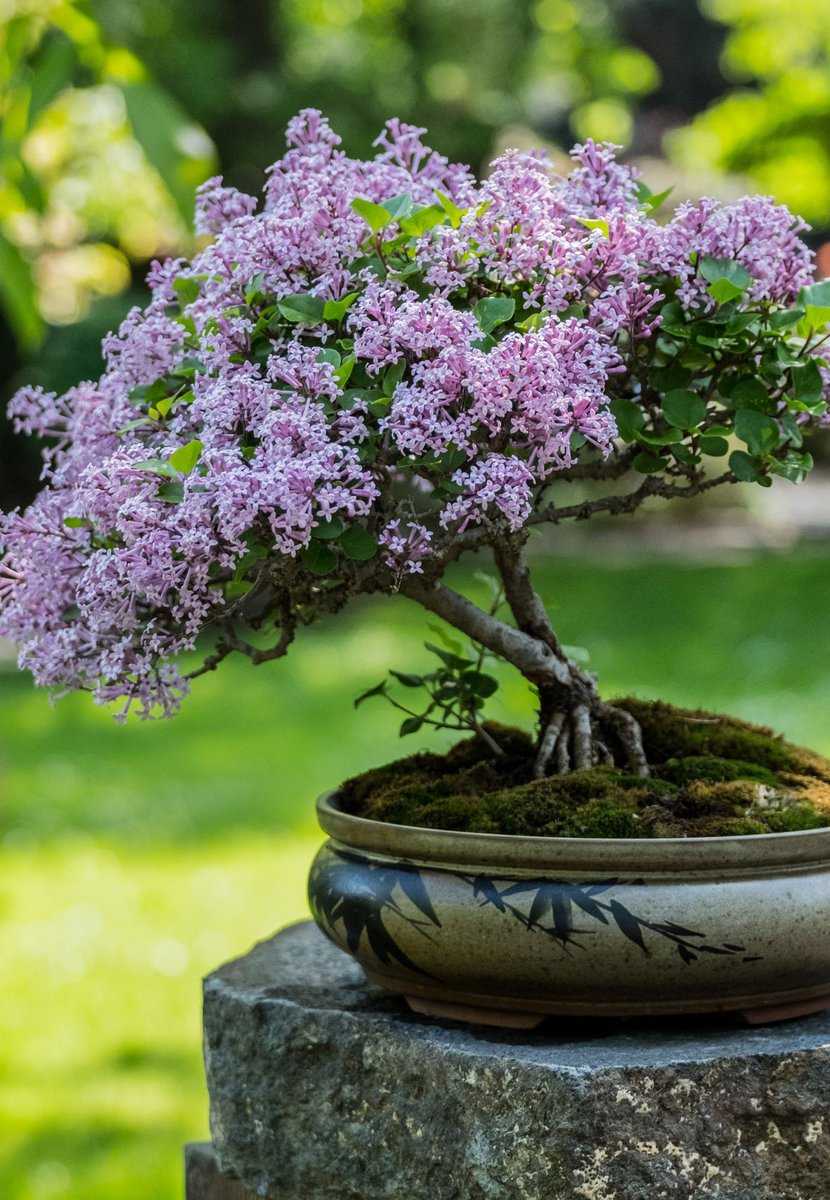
{"x": 324, "y": 1088}
{"x": 204, "y": 1180}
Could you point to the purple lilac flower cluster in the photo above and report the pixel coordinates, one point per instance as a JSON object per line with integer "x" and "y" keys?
{"x": 380, "y": 357}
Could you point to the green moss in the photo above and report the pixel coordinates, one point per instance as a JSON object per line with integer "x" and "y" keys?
{"x": 604, "y": 819}
{"x": 793, "y": 817}
{"x": 711, "y": 776}
{"x": 672, "y": 733}
{"x": 713, "y": 769}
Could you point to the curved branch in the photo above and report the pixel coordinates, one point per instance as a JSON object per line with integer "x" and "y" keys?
{"x": 525, "y": 602}
{"x": 230, "y": 642}
{"x": 628, "y": 502}
{"x": 533, "y": 657}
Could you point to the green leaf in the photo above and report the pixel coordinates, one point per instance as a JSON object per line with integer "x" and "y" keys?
{"x": 760, "y": 432}
{"x": 650, "y": 200}
{"x": 410, "y": 725}
{"x": 451, "y": 209}
{"x": 816, "y": 294}
{"x": 595, "y": 223}
{"x": 186, "y": 289}
{"x": 335, "y": 310}
{"x": 669, "y": 438}
{"x": 326, "y": 531}
{"x": 392, "y": 376}
{"x": 253, "y": 290}
{"x": 743, "y": 466}
{"x": 807, "y": 383}
{"x": 186, "y": 369}
{"x": 407, "y": 679}
{"x": 787, "y": 318}
{"x": 479, "y": 683}
{"x": 793, "y": 430}
{"x": 714, "y": 447}
{"x": 630, "y": 418}
{"x": 185, "y": 458}
{"x": 172, "y": 492}
{"x": 684, "y": 409}
{"x": 378, "y": 690}
{"x": 658, "y": 199}
{"x": 329, "y": 355}
{"x": 76, "y": 522}
{"x": 794, "y": 467}
{"x": 537, "y": 319}
{"x": 493, "y": 311}
{"x": 683, "y": 454}
{"x": 344, "y": 371}
{"x": 815, "y": 300}
{"x": 399, "y": 206}
{"x": 456, "y": 661}
{"x": 161, "y": 408}
{"x": 319, "y": 558}
{"x": 649, "y": 464}
{"x": 727, "y": 279}
{"x": 375, "y": 215}
{"x": 749, "y": 392}
{"x": 157, "y": 466}
{"x": 358, "y": 543}
{"x": 302, "y": 308}
{"x": 422, "y": 220}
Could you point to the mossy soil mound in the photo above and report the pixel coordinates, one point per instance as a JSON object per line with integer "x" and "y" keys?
{"x": 711, "y": 776}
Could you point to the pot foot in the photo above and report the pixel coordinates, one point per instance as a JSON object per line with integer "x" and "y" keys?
{"x": 786, "y": 1012}
{"x": 471, "y": 1015}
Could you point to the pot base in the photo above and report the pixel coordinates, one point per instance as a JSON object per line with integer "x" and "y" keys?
{"x": 786, "y": 1012}
{"x": 472, "y": 1015}
{"x": 510, "y": 1012}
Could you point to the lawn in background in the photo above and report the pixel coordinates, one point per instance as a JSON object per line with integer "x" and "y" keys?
{"x": 133, "y": 859}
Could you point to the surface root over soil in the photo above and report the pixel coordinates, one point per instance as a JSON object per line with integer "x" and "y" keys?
{"x": 711, "y": 775}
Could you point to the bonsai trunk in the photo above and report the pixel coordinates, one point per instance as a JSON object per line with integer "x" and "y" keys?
{"x": 577, "y": 729}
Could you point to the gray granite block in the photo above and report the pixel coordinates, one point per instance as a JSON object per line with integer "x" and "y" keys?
{"x": 324, "y": 1088}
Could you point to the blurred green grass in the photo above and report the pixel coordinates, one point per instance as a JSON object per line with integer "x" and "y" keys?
{"x": 134, "y": 859}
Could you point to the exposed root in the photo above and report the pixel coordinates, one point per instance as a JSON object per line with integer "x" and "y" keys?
{"x": 583, "y": 748}
{"x": 628, "y": 731}
{"x": 548, "y": 744}
{"x": 577, "y": 738}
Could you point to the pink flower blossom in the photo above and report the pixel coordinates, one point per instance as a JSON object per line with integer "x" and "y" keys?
{"x": 307, "y": 372}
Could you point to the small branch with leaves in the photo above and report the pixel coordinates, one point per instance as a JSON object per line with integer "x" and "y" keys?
{"x": 456, "y": 691}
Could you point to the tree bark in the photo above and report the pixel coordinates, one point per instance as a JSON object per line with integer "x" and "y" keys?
{"x": 576, "y": 727}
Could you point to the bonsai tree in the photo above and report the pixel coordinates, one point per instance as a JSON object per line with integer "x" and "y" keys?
{"x": 386, "y": 365}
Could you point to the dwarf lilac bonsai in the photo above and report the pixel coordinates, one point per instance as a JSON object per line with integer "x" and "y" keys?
{"x": 387, "y": 364}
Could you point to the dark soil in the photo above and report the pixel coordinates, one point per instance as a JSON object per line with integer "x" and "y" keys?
{"x": 711, "y": 776}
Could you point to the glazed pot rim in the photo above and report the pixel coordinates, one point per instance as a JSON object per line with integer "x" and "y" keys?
{"x": 759, "y": 853}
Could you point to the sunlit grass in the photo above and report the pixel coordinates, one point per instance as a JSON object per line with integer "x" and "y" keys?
{"x": 135, "y": 859}
{"x": 103, "y": 949}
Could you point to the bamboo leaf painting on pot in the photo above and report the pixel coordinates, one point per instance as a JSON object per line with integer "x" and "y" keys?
{"x": 355, "y": 896}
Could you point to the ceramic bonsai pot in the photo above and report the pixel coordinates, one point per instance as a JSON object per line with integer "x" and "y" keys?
{"x": 506, "y": 930}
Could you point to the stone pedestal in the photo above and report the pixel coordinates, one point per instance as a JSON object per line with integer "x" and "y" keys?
{"x": 205, "y": 1180}
{"x": 324, "y": 1088}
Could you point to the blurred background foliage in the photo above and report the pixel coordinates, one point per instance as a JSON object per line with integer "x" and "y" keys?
{"x": 132, "y": 860}
{"x": 772, "y": 125}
